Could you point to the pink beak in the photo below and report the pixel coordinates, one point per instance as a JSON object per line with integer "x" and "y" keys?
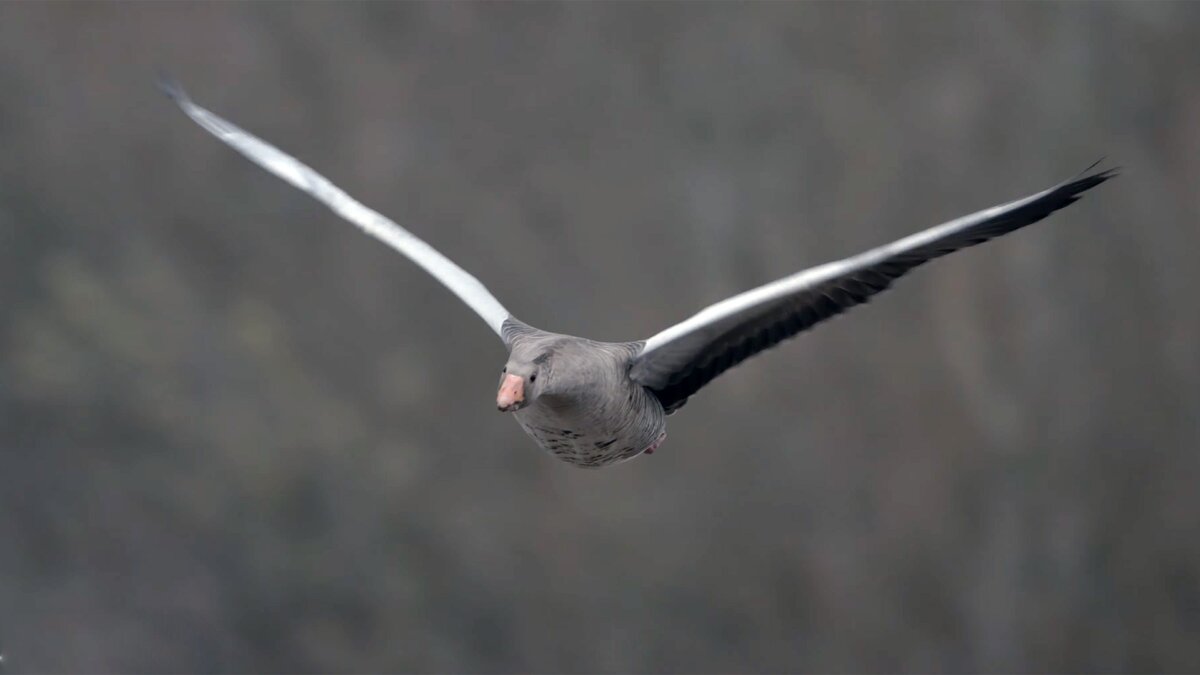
{"x": 511, "y": 394}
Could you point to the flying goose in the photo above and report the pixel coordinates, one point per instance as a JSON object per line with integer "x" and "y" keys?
{"x": 598, "y": 403}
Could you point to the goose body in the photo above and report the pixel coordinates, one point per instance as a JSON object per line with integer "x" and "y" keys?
{"x": 590, "y": 413}
{"x": 594, "y": 403}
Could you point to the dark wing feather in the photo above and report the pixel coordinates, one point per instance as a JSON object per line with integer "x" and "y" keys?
{"x": 680, "y": 360}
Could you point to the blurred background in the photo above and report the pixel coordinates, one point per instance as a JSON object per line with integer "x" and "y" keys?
{"x": 236, "y": 434}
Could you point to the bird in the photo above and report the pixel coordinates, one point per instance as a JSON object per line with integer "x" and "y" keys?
{"x": 595, "y": 404}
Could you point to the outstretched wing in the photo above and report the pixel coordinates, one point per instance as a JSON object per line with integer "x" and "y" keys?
{"x": 683, "y": 358}
{"x": 466, "y": 287}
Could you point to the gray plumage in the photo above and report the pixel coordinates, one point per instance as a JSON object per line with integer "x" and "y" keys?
{"x": 583, "y": 407}
{"x": 597, "y": 403}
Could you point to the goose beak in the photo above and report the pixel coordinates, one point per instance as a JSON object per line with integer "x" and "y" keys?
{"x": 512, "y": 393}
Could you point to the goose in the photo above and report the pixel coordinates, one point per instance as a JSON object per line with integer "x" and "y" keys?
{"x": 595, "y": 404}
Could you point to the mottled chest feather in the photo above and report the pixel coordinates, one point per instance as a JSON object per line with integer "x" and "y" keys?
{"x": 595, "y": 441}
{"x": 597, "y": 426}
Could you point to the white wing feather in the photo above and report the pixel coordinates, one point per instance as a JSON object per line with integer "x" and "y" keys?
{"x": 459, "y": 281}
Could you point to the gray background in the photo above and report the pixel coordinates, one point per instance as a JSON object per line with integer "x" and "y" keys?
{"x": 237, "y": 434}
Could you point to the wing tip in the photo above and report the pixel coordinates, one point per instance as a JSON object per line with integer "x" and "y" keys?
{"x": 1086, "y": 179}
{"x": 1103, "y": 175}
{"x": 169, "y": 86}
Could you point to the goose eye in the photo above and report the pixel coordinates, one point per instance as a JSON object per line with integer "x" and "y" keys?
{"x": 533, "y": 377}
{"x": 504, "y": 370}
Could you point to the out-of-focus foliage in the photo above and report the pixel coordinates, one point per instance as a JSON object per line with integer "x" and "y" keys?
{"x": 236, "y": 434}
